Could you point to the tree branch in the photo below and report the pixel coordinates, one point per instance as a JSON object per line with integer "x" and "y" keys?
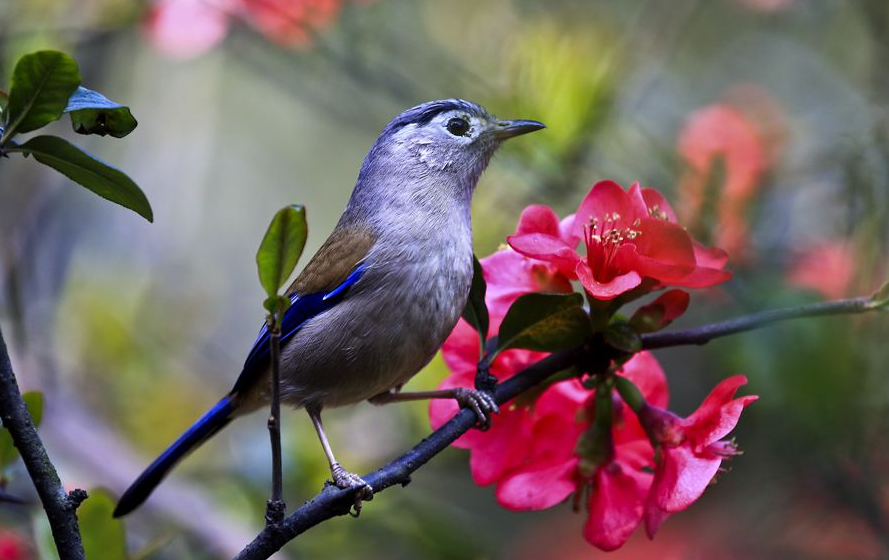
{"x": 60, "y": 507}
{"x": 333, "y": 501}
{"x": 706, "y": 333}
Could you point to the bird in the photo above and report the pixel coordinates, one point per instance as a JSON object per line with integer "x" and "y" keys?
{"x": 383, "y": 292}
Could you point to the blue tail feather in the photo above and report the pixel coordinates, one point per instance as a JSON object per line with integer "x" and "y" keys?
{"x": 214, "y": 420}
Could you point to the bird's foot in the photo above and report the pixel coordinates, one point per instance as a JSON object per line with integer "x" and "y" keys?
{"x": 480, "y": 402}
{"x": 344, "y": 479}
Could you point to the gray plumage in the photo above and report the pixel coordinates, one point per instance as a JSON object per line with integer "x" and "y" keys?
{"x": 407, "y": 224}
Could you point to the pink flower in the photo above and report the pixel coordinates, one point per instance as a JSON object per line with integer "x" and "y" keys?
{"x": 692, "y": 449}
{"x": 551, "y": 469}
{"x": 12, "y": 546}
{"x": 189, "y": 28}
{"x": 826, "y": 267}
{"x": 743, "y": 133}
{"x": 630, "y": 237}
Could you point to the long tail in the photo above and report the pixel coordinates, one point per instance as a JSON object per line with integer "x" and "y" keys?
{"x": 214, "y": 420}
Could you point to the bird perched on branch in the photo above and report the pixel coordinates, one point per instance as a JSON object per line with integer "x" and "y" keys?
{"x": 380, "y": 296}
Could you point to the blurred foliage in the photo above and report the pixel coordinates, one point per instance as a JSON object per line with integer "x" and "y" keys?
{"x": 139, "y": 329}
{"x": 8, "y": 452}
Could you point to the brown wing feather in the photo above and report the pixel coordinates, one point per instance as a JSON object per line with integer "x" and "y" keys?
{"x": 333, "y": 262}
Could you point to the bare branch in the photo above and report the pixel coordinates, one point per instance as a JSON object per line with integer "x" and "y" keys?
{"x": 706, "y": 333}
{"x": 60, "y": 507}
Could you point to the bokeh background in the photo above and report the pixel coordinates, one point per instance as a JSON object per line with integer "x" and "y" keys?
{"x": 764, "y": 121}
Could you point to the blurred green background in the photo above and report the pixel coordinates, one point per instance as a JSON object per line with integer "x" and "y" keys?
{"x": 765, "y": 121}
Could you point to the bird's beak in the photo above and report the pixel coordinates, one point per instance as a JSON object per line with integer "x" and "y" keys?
{"x": 508, "y": 129}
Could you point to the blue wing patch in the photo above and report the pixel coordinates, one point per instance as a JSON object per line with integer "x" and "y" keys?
{"x": 302, "y": 308}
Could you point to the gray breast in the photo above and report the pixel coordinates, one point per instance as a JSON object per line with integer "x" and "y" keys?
{"x": 389, "y": 326}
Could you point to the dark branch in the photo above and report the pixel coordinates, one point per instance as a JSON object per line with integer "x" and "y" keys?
{"x": 333, "y": 501}
{"x": 706, "y": 333}
{"x": 60, "y": 508}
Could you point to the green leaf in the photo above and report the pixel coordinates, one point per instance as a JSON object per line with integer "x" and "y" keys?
{"x": 544, "y": 322}
{"x": 79, "y": 166}
{"x": 281, "y": 248}
{"x": 93, "y": 113}
{"x": 623, "y": 337}
{"x": 277, "y": 305}
{"x": 8, "y": 452}
{"x": 42, "y": 82}
{"x": 476, "y": 312}
{"x": 104, "y": 537}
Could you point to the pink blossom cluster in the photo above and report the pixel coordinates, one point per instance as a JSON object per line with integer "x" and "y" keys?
{"x": 607, "y": 441}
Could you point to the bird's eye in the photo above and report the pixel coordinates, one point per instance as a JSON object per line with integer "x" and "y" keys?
{"x": 458, "y": 126}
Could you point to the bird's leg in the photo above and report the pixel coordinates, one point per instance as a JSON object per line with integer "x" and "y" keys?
{"x": 480, "y": 402}
{"x": 341, "y": 477}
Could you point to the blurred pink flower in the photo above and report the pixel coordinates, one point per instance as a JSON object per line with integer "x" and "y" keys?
{"x": 769, "y": 5}
{"x": 12, "y": 546}
{"x": 827, "y": 267}
{"x": 720, "y": 132}
{"x": 189, "y": 28}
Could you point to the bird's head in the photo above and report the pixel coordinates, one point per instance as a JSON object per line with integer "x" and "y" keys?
{"x": 449, "y": 141}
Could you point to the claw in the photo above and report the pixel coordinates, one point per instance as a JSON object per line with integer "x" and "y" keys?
{"x": 344, "y": 479}
{"x": 480, "y": 402}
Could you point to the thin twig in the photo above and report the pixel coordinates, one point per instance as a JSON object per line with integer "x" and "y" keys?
{"x": 333, "y": 501}
{"x": 275, "y": 507}
{"x": 706, "y": 333}
{"x": 60, "y": 507}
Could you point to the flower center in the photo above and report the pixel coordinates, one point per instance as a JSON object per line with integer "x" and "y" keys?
{"x": 603, "y": 237}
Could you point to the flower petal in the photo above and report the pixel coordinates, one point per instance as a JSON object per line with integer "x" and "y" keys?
{"x": 615, "y": 506}
{"x": 655, "y": 201}
{"x": 709, "y": 257}
{"x": 608, "y": 290}
{"x": 538, "y": 488}
{"x": 682, "y": 478}
{"x": 538, "y": 218}
{"x": 501, "y": 448}
{"x": 605, "y": 199}
{"x": 718, "y": 414}
{"x": 662, "y": 251}
{"x": 546, "y": 248}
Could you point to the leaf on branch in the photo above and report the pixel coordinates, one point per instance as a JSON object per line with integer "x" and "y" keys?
{"x": 42, "y": 82}
{"x": 476, "y": 312}
{"x": 93, "y": 113}
{"x": 104, "y": 537}
{"x": 277, "y": 305}
{"x": 8, "y": 452}
{"x": 623, "y": 337}
{"x": 79, "y": 166}
{"x": 281, "y": 248}
{"x": 880, "y": 299}
{"x": 545, "y": 323}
